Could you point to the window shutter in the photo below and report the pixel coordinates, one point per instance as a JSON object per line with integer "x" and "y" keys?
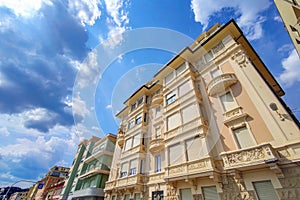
{"x": 189, "y": 113}
{"x": 173, "y": 121}
{"x": 243, "y": 137}
{"x": 265, "y": 190}
{"x": 210, "y": 193}
{"x": 175, "y": 154}
{"x": 184, "y": 88}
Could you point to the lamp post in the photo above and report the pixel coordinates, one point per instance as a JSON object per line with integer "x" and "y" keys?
{"x": 4, "y": 197}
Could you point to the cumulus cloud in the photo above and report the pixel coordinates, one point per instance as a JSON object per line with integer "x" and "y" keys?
{"x": 291, "y": 73}
{"x": 248, "y": 13}
{"x": 87, "y": 11}
{"x": 117, "y": 21}
{"x": 24, "y": 8}
{"x": 4, "y": 131}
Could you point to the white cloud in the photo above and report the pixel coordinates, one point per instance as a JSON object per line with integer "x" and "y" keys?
{"x": 118, "y": 21}
{"x": 24, "y": 8}
{"x": 89, "y": 70}
{"x": 87, "y": 11}
{"x": 79, "y": 106}
{"x": 277, "y": 18}
{"x": 108, "y": 106}
{"x": 4, "y": 131}
{"x": 291, "y": 73}
{"x": 248, "y": 12}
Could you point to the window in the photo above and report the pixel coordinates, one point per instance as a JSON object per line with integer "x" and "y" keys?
{"x": 173, "y": 121}
{"x": 128, "y": 144}
{"x": 145, "y": 117}
{"x": 158, "y": 195}
{"x": 208, "y": 56}
{"x": 243, "y": 137}
{"x": 157, "y": 111}
{"x": 158, "y": 163}
{"x": 228, "y": 102}
{"x": 210, "y": 193}
{"x": 133, "y": 106}
{"x": 124, "y": 170}
{"x": 218, "y": 47}
{"x": 138, "y": 120}
{"x": 175, "y": 154}
{"x": 140, "y": 101}
{"x": 180, "y": 69}
{"x": 216, "y": 72}
{"x": 113, "y": 197}
{"x": 137, "y": 196}
{"x": 127, "y": 197}
{"x": 189, "y": 113}
{"x": 136, "y": 140}
{"x": 194, "y": 148}
{"x": 158, "y": 132}
{"x": 186, "y": 194}
{"x": 130, "y": 124}
{"x": 170, "y": 98}
{"x": 142, "y": 166}
{"x": 169, "y": 78}
{"x": 265, "y": 190}
{"x": 133, "y": 167}
{"x": 184, "y": 88}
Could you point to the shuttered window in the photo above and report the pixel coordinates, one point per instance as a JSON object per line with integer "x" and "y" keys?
{"x": 184, "y": 88}
{"x": 189, "y": 113}
{"x": 137, "y": 196}
{"x": 173, "y": 121}
{"x": 265, "y": 190}
{"x": 180, "y": 69}
{"x": 227, "y": 101}
{"x": 243, "y": 137}
{"x": 169, "y": 77}
{"x": 175, "y": 154}
{"x": 127, "y": 197}
{"x": 133, "y": 167}
{"x": 124, "y": 170}
{"x": 194, "y": 148}
{"x": 186, "y": 194}
{"x": 136, "y": 140}
{"x": 128, "y": 144}
{"x": 210, "y": 193}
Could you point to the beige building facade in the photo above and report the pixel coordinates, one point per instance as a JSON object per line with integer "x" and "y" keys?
{"x": 211, "y": 124}
{"x": 290, "y": 13}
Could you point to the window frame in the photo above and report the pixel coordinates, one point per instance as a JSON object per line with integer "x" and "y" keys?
{"x": 158, "y": 163}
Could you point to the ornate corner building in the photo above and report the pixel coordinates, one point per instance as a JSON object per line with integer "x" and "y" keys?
{"x": 210, "y": 124}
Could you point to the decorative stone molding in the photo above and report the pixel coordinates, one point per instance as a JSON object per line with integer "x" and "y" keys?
{"x": 261, "y": 154}
{"x": 240, "y": 58}
{"x": 192, "y": 167}
{"x": 235, "y": 116}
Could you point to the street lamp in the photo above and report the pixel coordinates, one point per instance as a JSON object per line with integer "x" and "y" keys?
{"x": 4, "y": 197}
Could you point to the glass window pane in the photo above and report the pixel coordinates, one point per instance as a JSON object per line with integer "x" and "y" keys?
{"x": 157, "y": 163}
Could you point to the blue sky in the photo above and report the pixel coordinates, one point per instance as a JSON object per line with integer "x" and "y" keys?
{"x": 49, "y": 69}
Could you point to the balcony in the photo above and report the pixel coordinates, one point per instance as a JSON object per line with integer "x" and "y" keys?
{"x": 90, "y": 173}
{"x": 190, "y": 169}
{"x": 121, "y": 138}
{"x": 245, "y": 158}
{"x": 233, "y": 115}
{"x": 109, "y": 185}
{"x": 156, "y": 145}
{"x": 157, "y": 99}
{"x": 156, "y": 178}
{"x": 134, "y": 150}
{"x": 130, "y": 181}
{"x": 221, "y": 83}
